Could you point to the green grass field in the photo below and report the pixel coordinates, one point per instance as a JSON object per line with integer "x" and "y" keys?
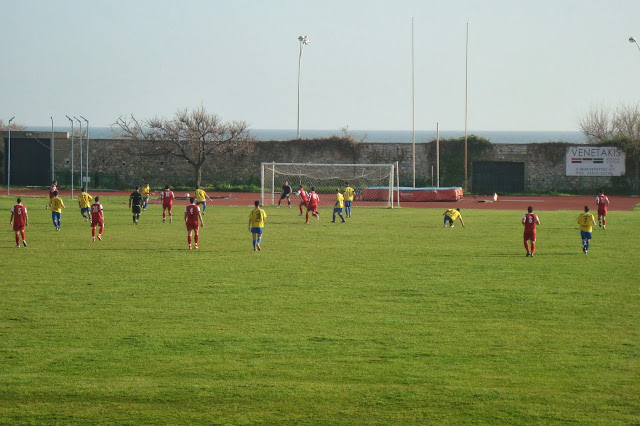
{"x": 389, "y": 318}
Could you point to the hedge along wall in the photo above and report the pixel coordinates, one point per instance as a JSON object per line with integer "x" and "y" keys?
{"x": 111, "y": 161}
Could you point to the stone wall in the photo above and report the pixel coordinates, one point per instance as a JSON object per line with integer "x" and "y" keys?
{"x": 112, "y": 163}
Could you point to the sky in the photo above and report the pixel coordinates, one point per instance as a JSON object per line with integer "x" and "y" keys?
{"x": 532, "y": 65}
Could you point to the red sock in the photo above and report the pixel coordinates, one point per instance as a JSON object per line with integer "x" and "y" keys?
{"x": 101, "y": 229}
{"x": 533, "y": 247}
{"x": 196, "y": 238}
{"x": 17, "y": 240}
{"x": 604, "y": 220}
{"x": 164, "y": 215}
{"x": 93, "y": 232}
{"x": 300, "y": 207}
{"x": 307, "y": 216}
{"x": 189, "y": 239}
{"x": 526, "y": 245}
{"x": 22, "y": 235}
{"x": 170, "y": 214}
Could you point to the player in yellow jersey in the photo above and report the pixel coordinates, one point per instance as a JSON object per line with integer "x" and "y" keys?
{"x": 84, "y": 202}
{"x": 256, "y": 223}
{"x": 337, "y": 207}
{"x": 201, "y": 198}
{"x": 348, "y": 198}
{"x": 146, "y": 193}
{"x": 586, "y": 222}
{"x": 452, "y": 214}
{"x": 56, "y": 205}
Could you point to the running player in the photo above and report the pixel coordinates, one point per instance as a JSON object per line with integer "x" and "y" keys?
{"x": 603, "y": 203}
{"x": 135, "y": 204}
{"x": 84, "y": 202}
{"x": 286, "y": 193}
{"x": 97, "y": 219}
{"x": 586, "y": 222}
{"x": 312, "y": 207}
{"x": 201, "y": 198}
{"x": 191, "y": 215}
{"x": 56, "y": 205}
{"x": 167, "y": 197}
{"x": 530, "y": 220}
{"x": 337, "y": 207}
{"x": 52, "y": 188}
{"x": 256, "y": 224}
{"x": 304, "y": 198}
{"x": 348, "y": 198}
{"x": 19, "y": 220}
{"x": 452, "y": 214}
{"x": 146, "y": 193}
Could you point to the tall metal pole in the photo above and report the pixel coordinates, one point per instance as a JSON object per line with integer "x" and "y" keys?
{"x": 633, "y": 40}
{"x": 72, "y": 152}
{"x": 438, "y": 154}
{"x": 413, "y": 109}
{"x": 86, "y": 181}
{"x": 303, "y": 40}
{"x": 53, "y": 152}
{"x": 80, "y": 134}
{"x": 466, "y": 91}
{"x": 9, "y": 158}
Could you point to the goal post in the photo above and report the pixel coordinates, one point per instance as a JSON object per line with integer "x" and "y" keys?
{"x": 374, "y": 184}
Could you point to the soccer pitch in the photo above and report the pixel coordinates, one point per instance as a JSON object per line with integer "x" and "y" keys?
{"x": 388, "y": 318}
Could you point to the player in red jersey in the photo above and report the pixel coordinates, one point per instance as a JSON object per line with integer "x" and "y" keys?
{"x": 304, "y": 198}
{"x": 97, "y": 219}
{"x": 191, "y": 215}
{"x": 52, "y": 188}
{"x": 19, "y": 220}
{"x": 530, "y": 220}
{"x": 603, "y": 203}
{"x": 313, "y": 204}
{"x": 167, "y": 203}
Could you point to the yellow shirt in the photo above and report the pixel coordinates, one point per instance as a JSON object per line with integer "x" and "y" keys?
{"x": 453, "y": 213}
{"x": 257, "y": 217}
{"x": 348, "y": 193}
{"x": 585, "y": 220}
{"x": 84, "y": 200}
{"x": 200, "y": 194}
{"x": 146, "y": 191}
{"x": 339, "y": 201}
{"x": 56, "y": 204}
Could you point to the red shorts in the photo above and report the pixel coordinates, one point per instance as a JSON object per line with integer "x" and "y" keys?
{"x": 192, "y": 226}
{"x": 167, "y": 206}
{"x": 312, "y": 208}
{"x": 18, "y": 228}
{"x": 530, "y": 235}
{"x": 96, "y": 224}
{"x": 602, "y": 212}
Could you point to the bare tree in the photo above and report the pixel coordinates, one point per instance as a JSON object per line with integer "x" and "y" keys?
{"x": 14, "y": 126}
{"x": 194, "y": 136}
{"x": 597, "y": 124}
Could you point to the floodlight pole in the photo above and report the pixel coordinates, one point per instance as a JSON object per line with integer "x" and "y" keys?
{"x": 633, "y": 40}
{"x": 86, "y": 180}
{"x": 80, "y": 134}
{"x": 53, "y": 152}
{"x": 466, "y": 97}
{"x": 413, "y": 109}
{"x": 438, "y": 154}
{"x": 303, "y": 41}
{"x": 9, "y": 158}
{"x": 72, "y": 136}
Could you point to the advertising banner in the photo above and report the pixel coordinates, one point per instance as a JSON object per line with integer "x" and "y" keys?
{"x": 594, "y": 161}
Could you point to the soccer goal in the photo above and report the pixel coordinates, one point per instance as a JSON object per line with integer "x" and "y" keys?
{"x": 374, "y": 184}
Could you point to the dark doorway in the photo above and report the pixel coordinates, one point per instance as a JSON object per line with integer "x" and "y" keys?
{"x": 502, "y": 177}
{"x": 30, "y": 161}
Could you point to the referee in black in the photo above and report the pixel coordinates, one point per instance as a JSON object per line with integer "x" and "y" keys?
{"x": 286, "y": 193}
{"x": 135, "y": 203}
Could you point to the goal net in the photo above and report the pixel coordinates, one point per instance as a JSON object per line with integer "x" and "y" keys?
{"x": 373, "y": 183}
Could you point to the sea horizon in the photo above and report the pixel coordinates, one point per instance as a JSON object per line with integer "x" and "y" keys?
{"x": 380, "y": 136}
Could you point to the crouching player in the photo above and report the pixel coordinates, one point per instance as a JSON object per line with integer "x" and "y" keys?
{"x": 192, "y": 215}
{"x": 256, "y": 223}
{"x": 97, "y": 219}
{"x": 452, "y": 214}
{"x": 19, "y": 220}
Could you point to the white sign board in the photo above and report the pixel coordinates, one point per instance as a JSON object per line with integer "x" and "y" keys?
{"x": 594, "y": 161}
